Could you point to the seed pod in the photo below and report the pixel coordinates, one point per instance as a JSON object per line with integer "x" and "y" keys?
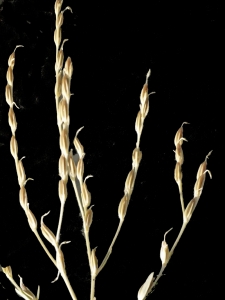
{"x": 12, "y": 120}
{"x": 66, "y": 87}
{"x": 20, "y": 172}
{"x": 203, "y": 166}
{"x": 31, "y": 219}
{"x": 59, "y": 20}
{"x": 58, "y": 5}
{"x": 178, "y": 173}
{"x": 122, "y": 209}
{"x": 179, "y": 156}
{"x": 72, "y": 166}
{"x": 79, "y": 148}
{"x": 62, "y": 191}
{"x": 57, "y": 37}
{"x": 88, "y": 219}
{"x": 47, "y": 233}
{"x": 139, "y": 124}
{"x": 68, "y": 69}
{"x": 189, "y": 210}
{"x": 200, "y": 183}
{"x": 144, "y": 91}
{"x": 8, "y": 95}
{"x": 14, "y": 147}
{"x": 179, "y": 135}
{"x": 164, "y": 252}
{"x": 8, "y": 271}
{"x": 80, "y": 170}
{"x": 85, "y": 194}
{"x": 23, "y": 198}
{"x": 9, "y": 76}
{"x": 25, "y": 289}
{"x": 94, "y": 263}
{"x": 129, "y": 184}
{"x": 145, "y": 288}
{"x": 63, "y": 170}
{"x": 136, "y": 158}
{"x": 64, "y": 142}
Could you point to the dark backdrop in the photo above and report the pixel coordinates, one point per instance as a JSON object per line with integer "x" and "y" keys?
{"x": 112, "y": 46}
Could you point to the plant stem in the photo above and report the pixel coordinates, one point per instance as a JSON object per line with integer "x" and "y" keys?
{"x": 110, "y": 248}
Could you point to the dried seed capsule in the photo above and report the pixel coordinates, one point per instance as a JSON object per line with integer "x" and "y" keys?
{"x": 122, "y": 209}
{"x": 145, "y": 288}
{"x": 23, "y": 198}
{"x": 94, "y": 263}
{"x": 63, "y": 170}
{"x": 72, "y": 166}
{"x": 47, "y": 233}
{"x": 88, "y": 219}
{"x": 20, "y": 172}
{"x": 164, "y": 252}
{"x": 14, "y": 147}
{"x": 12, "y": 120}
{"x": 189, "y": 210}
{"x": 62, "y": 191}
{"x": 178, "y": 173}
{"x": 78, "y": 146}
{"x": 80, "y": 170}
{"x": 8, "y": 95}
{"x": 136, "y": 158}
{"x": 85, "y": 194}
{"x": 8, "y": 271}
{"x": 129, "y": 184}
{"x": 31, "y": 219}
{"x": 64, "y": 142}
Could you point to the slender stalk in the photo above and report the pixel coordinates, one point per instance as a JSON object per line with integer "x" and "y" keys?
{"x": 69, "y": 287}
{"x": 45, "y": 248}
{"x": 181, "y": 197}
{"x": 60, "y": 221}
{"x": 92, "y": 287}
{"x": 110, "y": 248}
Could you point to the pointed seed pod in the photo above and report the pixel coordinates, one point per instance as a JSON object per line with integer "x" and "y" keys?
{"x": 12, "y": 120}
{"x": 8, "y": 95}
{"x": 20, "y": 172}
{"x": 129, "y": 184}
{"x": 80, "y": 170}
{"x": 63, "y": 169}
{"x": 58, "y": 5}
{"x": 79, "y": 148}
{"x": 23, "y": 198}
{"x": 164, "y": 252}
{"x": 64, "y": 142}
{"x": 145, "y": 288}
{"x": 94, "y": 263}
{"x": 85, "y": 194}
{"x": 62, "y": 191}
{"x": 14, "y": 147}
{"x": 136, "y": 158}
{"x": 31, "y": 219}
{"x": 88, "y": 219}
{"x": 72, "y": 166}
{"x": 8, "y": 271}
{"x": 139, "y": 124}
{"x": 68, "y": 69}
{"x": 122, "y": 209}
{"x": 178, "y": 173}
{"x": 47, "y": 233}
{"x": 189, "y": 210}
{"x": 203, "y": 166}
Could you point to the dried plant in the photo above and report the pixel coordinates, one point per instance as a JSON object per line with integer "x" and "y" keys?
{"x": 71, "y": 169}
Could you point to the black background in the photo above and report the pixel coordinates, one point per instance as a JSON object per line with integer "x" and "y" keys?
{"x": 112, "y": 46}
